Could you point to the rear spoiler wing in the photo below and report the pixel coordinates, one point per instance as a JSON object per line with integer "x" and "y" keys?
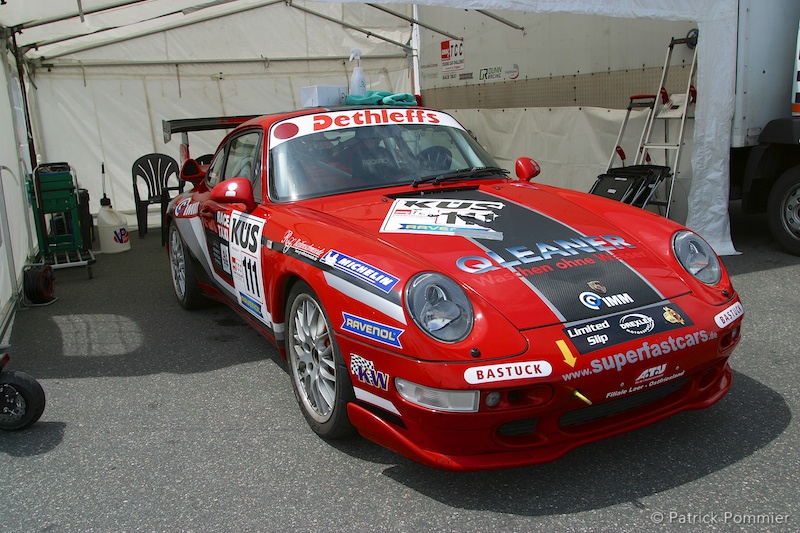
{"x": 184, "y": 125}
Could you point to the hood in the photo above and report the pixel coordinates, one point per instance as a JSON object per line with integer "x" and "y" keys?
{"x": 535, "y": 256}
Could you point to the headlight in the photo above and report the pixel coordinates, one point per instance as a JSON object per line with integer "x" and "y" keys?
{"x": 697, "y": 257}
{"x": 439, "y": 306}
{"x": 459, "y": 401}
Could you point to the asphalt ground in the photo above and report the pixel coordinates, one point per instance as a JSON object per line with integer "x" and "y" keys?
{"x": 164, "y": 420}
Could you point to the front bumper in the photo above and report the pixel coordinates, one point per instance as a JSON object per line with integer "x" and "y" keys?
{"x": 539, "y": 419}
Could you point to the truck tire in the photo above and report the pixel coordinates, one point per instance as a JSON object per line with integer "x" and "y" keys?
{"x": 783, "y": 210}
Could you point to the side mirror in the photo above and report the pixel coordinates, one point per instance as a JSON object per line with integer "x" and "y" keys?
{"x": 527, "y": 168}
{"x": 234, "y": 191}
{"x": 191, "y": 172}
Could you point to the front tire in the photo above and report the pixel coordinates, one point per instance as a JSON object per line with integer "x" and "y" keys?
{"x": 783, "y": 210}
{"x": 22, "y": 400}
{"x": 184, "y": 280}
{"x": 319, "y": 376}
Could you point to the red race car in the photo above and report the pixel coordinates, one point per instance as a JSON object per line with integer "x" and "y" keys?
{"x": 460, "y": 317}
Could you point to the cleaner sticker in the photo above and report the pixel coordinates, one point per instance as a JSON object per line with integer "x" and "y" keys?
{"x": 244, "y": 249}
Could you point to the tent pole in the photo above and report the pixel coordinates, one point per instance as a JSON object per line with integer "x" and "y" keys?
{"x": 24, "y": 91}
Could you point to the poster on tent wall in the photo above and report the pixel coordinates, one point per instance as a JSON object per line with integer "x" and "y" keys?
{"x": 452, "y": 56}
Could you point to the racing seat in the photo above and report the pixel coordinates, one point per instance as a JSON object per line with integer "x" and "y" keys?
{"x": 152, "y": 174}
{"x": 634, "y": 185}
{"x": 373, "y": 164}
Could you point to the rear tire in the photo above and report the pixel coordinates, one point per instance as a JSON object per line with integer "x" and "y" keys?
{"x": 783, "y": 210}
{"x": 319, "y": 376}
{"x": 22, "y": 400}
{"x": 184, "y": 280}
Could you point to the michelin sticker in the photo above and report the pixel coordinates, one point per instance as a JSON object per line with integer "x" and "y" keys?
{"x": 248, "y": 279}
{"x": 442, "y": 216}
{"x": 364, "y": 271}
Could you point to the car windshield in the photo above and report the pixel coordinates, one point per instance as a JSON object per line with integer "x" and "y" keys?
{"x": 346, "y": 159}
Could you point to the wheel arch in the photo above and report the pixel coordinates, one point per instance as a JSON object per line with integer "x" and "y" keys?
{"x": 765, "y": 165}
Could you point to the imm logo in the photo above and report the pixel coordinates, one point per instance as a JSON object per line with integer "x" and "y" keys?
{"x": 595, "y": 302}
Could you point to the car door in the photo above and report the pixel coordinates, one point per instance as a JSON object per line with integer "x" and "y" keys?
{"x": 233, "y": 236}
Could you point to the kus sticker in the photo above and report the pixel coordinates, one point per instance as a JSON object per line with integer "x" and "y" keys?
{"x": 372, "y": 330}
{"x": 444, "y": 216}
{"x": 245, "y": 263}
{"x": 363, "y": 271}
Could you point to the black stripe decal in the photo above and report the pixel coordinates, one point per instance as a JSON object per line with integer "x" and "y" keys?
{"x": 576, "y": 275}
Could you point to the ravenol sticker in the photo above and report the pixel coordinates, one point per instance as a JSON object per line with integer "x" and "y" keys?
{"x": 363, "y": 271}
{"x": 508, "y": 371}
{"x": 250, "y": 304}
{"x": 372, "y": 330}
{"x": 729, "y": 315}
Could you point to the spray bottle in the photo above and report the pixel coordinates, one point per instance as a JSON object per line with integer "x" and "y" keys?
{"x": 358, "y": 85}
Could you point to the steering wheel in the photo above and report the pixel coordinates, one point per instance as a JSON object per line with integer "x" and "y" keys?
{"x": 436, "y": 158}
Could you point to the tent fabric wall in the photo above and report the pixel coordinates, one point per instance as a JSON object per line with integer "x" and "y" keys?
{"x": 105, "y": 105}
{"x": 14, "y": 238}
{"x": 93, "y": 111}
{"x": 540, "y": 133}
{"x": 717, "y": 21}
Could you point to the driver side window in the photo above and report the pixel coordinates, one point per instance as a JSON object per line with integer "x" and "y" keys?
{"x": 240, "y": 158}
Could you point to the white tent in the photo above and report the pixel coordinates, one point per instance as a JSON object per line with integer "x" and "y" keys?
{"x": 102, "y": 75}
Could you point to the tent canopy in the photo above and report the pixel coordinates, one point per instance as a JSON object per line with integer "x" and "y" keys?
{"x": 102, "y": 75}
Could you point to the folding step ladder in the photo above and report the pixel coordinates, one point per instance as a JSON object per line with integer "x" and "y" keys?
{"x": 661, "y": 107}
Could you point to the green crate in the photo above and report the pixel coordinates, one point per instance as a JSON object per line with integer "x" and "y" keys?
{"x": 57, "y": 202}
{"x": 56, "y": 181}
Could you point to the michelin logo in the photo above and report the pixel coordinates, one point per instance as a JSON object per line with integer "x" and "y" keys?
{"x": 372, "y": 330}
{"x": 363, "y": 271}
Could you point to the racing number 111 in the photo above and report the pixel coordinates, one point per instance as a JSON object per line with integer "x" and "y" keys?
{"x": 251, "y": 276}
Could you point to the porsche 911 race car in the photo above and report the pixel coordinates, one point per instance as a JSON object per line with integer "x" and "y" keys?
{"x": 458, "y": 316}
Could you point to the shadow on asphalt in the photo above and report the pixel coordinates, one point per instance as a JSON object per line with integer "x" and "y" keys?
{"x": 126, "y": 321}
{"x": 38, "y": 439}
{"x": 626, "y": 468}
{"x": 621, "y": 469}
{"x": 759, "y": 251}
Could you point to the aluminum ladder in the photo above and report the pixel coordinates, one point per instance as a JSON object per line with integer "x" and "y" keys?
{"x": 665, "y": 108}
